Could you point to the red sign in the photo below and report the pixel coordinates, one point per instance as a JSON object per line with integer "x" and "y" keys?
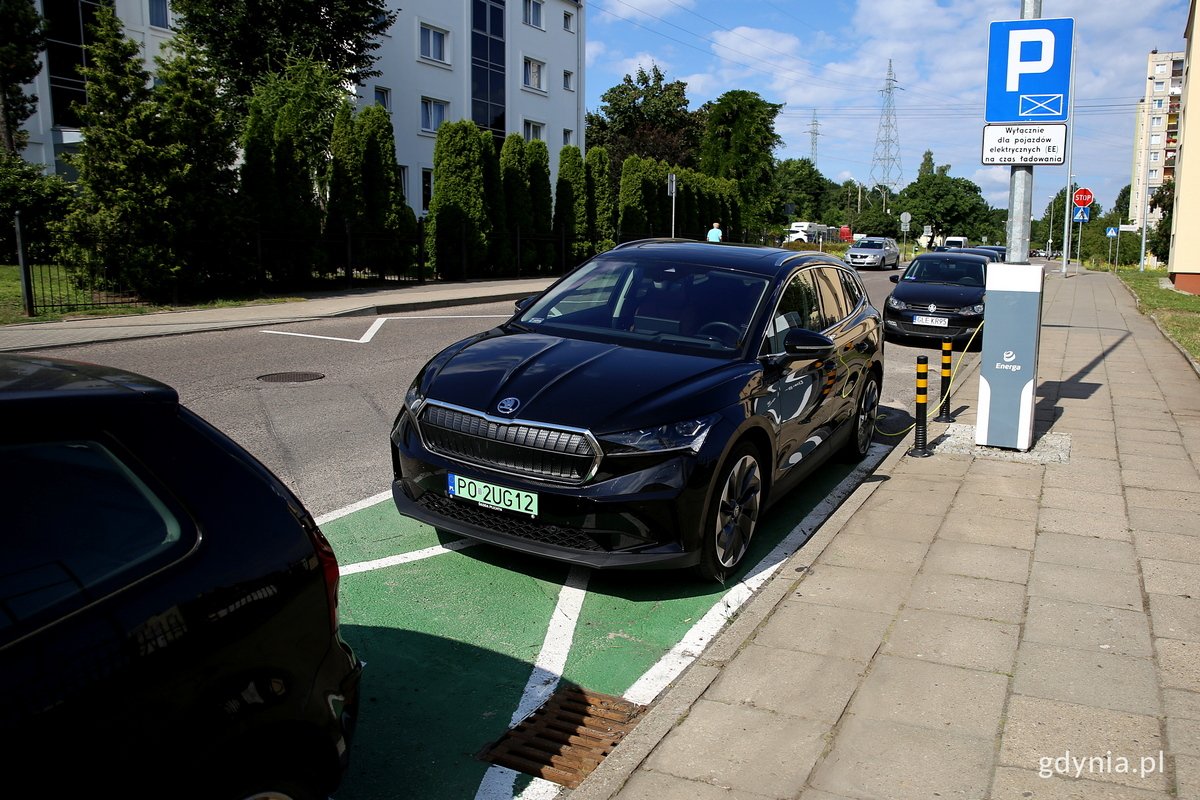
{"x": 1083, "y": 197}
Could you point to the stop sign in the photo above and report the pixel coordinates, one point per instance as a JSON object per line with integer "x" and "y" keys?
{"x": 1083, "y": 197}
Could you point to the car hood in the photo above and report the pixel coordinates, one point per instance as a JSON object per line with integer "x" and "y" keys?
{"x": 600, "y": 386}
{"x": 942, "y": 294}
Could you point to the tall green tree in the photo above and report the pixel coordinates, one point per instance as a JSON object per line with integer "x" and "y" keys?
{"x": 949, "y": 205}
{"x": 601, "y": 198}
{"x": 41, "y": 199}
{"x": 285, "y": 167}
{"x": 113, "y": 230}
{"x": 387, "y": 221}
{"x": 570, "y": 204}
{"x": 500, "y": 248}
{"x": 457, "y": 216}
{"x": 514, "y": 177}
{"x": 1158, "y": 238}
{"x": 22, "y": 39}
{"x": 738, "y": 144}
{"x": 799, "y": 184}
{"x": 247, "y": 39}
{"x": 648, "y": 116}
{"x": 200, "y": 135}
{"x": 541, "y": 202}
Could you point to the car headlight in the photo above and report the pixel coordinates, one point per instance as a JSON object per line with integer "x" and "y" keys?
{"x": 971, "y": 311}
{"x": 894, "y": 304}
{"x": 413, "y": 399}
{"x": 686, "y": 435}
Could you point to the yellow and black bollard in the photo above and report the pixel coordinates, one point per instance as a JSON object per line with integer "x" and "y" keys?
{"x": 920, "y": 446}
{"x": 944, "y": 414}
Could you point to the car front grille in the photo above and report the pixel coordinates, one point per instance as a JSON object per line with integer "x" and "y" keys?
{"x": 521, "y": 448}
{"x": 923, "y": 308}
{"x": 510, "y": 524}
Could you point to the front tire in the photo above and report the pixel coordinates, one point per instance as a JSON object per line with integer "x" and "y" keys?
{"x": 866, "y": 409}
{"x": 732, "y": 514}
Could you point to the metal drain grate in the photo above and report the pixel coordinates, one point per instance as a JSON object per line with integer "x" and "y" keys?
{"x": 291, "y": 377}
{"x": 568, "y": 737}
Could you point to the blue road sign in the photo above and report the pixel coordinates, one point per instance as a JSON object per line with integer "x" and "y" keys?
{"x": 1111, "y": 232}
{"x": 1029, "y": 70}
{"x": 1082, "y": 214}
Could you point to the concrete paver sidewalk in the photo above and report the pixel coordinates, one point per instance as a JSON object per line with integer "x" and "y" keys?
{"x": 980, "y": 623}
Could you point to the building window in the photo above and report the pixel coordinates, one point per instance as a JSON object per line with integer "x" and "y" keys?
{"x": 568, "y": 137}
{"x": 403, "y": 179}
{"x": 568, "y": 80}
{"x": 1153, "y": 174}
{"x": 1156, "y": 122}
{"x": 1160, "y": 104}
{"x": 533, "y": 131}
{"x": 1159, "y": 69}
{"x": 433, "y": 114}
{"x": 1154, "y": 156}
{"x": 568, "y": 21}
{"x": 426, "y": 188}
{"x": 533, "y": 74}
{"x": 383, "y": 97}
{"x": 433, "y": 43}
{"x": 158, "y": 14}
{"x": 488, "y": 73}
{"x": 533, "y": 13}
{"x": 1160, "y": 86}
{"x": 1155, "y": 138}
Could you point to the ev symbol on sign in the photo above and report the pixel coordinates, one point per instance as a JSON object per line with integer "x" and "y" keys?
{"x": 1029, "y": 70}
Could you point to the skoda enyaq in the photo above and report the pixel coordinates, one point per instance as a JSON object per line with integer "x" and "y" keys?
{"x": 645, "y": 409}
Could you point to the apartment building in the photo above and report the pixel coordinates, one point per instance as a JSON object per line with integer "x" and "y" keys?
{"x": 54, "y": 127}
{"x": 1156, "y": 133}
{"x": 509, "y": 65}
{"x": 1184, "y": 266}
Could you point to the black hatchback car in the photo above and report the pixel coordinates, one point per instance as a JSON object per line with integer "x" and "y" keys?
{"x": 168, "y": 608}
{"x": 939, "y": 295}
{"x": 645, "y": 409}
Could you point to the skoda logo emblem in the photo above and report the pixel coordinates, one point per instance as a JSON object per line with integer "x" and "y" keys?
{"x": 508, "y": 405}
{"x": 932, "y": 307}
{"x": 1009, "y": 355}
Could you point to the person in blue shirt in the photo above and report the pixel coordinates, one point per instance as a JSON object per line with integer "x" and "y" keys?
{"x": 714, "y": 234}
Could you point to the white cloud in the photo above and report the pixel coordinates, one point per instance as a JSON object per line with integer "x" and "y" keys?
{"x": 595, "y": 49}
{"x": 641, "y": 10}
{"x": 630, "y": 65}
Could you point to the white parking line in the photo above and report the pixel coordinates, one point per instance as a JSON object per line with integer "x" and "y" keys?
{"x": 377, "y": 324}
{"x": 497, "y": 783}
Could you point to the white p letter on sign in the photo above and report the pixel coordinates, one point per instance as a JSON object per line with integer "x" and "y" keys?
{"x": 1017, "y": 67}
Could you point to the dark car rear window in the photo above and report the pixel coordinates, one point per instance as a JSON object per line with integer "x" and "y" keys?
{"x": 86, "y": 524}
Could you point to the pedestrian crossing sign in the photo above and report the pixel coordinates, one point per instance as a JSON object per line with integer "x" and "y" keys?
{"x": 1081, "y": 214}
{"x": 1111, "y": 232}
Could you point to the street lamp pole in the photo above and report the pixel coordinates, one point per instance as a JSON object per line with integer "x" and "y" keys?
{"x": 1050, "y": 233}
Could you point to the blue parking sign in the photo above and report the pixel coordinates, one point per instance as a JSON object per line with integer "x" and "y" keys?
{"x": 1029, "y": 70}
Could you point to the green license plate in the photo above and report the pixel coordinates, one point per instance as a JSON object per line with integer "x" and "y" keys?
{"x": 490, "y": 495}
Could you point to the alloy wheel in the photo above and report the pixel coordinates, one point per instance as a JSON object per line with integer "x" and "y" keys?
{"x": 738, "y": 511}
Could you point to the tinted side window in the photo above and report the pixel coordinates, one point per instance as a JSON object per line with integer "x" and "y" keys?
{"x": 798, "y": 308}
{"x": 86, "y": 524}
{"x": 833, "y": 300}
{"x": 852, "y": 288}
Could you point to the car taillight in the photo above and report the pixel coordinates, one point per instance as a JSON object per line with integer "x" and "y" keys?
{"x": 329, "y": 569}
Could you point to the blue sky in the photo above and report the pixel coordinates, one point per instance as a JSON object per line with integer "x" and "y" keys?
{"x": 832, "y": 58}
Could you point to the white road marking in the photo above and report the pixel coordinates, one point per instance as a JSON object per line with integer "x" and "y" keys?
{"x": 497, "y": 783}
{"x": 407, "y": 558}
{"x": 689, "y": 648}
{"x": 377, "y": 324}
{"x": 350, "y": 509}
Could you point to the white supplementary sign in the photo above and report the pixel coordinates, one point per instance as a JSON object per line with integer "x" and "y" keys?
{"x": 1024, "y": 143}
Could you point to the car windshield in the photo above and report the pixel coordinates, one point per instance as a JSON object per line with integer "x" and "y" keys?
{"x": 869, "y": 246}
{"x": 945, "y": 270}
{"x": 658, "y": 304}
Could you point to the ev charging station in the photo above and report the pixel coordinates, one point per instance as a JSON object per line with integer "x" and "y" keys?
{"x": 1008, "y": 360}
{"x": 1028, "y": 103}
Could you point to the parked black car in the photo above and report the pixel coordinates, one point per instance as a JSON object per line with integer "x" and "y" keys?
{"x": 938, "y": 295}
{"x": 168, "y": 608}
{"x": 645, "y": 409}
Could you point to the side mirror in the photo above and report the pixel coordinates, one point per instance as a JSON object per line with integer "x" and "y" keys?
{"x": 894, "y": 278}
{"x": 801, "y": 343}
{"x": 523, "y": 303}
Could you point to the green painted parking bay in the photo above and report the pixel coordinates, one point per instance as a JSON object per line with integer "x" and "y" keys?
{"x": 461, "y": 640}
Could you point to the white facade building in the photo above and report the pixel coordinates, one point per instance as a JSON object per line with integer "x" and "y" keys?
{"x": 510, "y": 65}
{"x": 1156, "y": 133}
